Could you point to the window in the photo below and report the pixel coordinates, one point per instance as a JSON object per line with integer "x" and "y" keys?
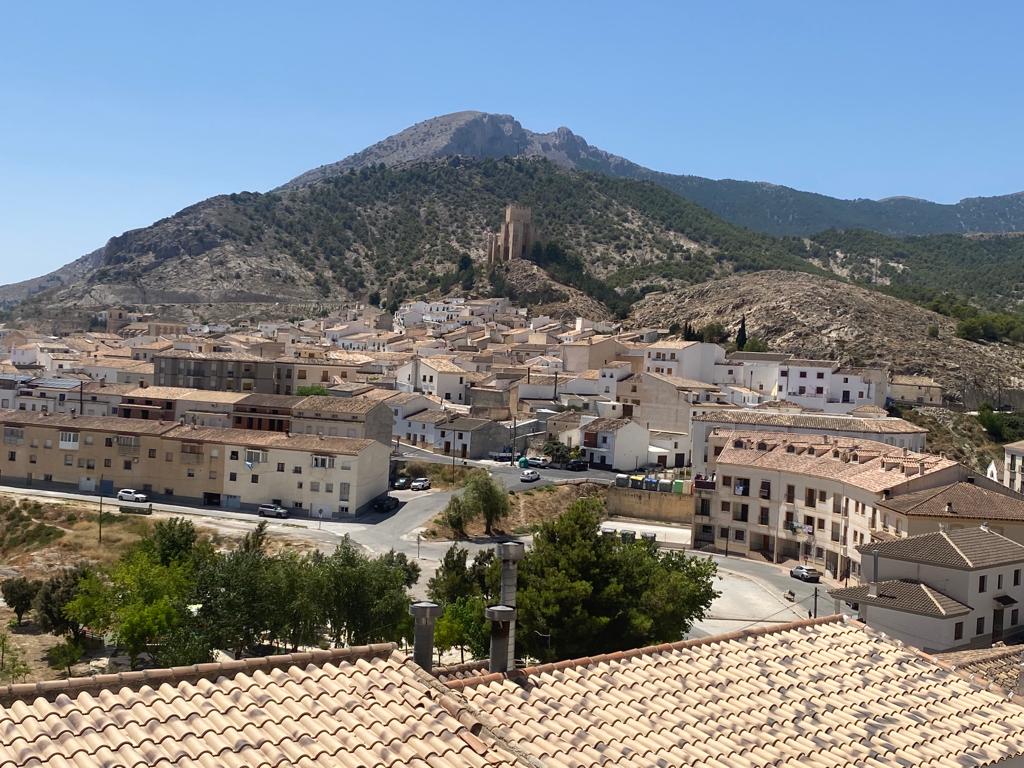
{"x": 958, "y": 631}
{"x": 69, "y": 440}
{"x": 232, "y": 476}
{"x": 726, "y": 481}
{"x": 1016, "y": 577}
{"x": 821, "y": 375}
{"x": 809, "y": 497}
{"x": 723, "y": 533}
{"x": 739, "y": 534}
{"x": 169, "y": 456}
{"x": 821, "y": 497}
{"x": 739, "y": 514}
{"x": 726, "y": 507}
{"x": 980, "y": 627}
{"x": 128, "y": 464}
{"x": 323, "y": 462}
{"x": 234, "y": 456}
{"x": 213, "y": 474}
{"x": 106, "y": 463}
{"x": 343, "y": 491}
{"x": 819, "y": 390}
{"x": 983, "y": 583}
{"x": 821, "y": 523}
{"x": 254, "y": 479}
{"x": 255, "y": 456}
{"x": 766, "y": 489}
{"x": 280, "y": 466}
{"x": 790, "y": 493}
{"x": 314, "y": 486}
{"x": 803, "y": 374}
{"x": 296, "y": 470}
{"x": 328, "y": 487}
{"x": 11, "y": 456}
{"x": 108, "y": 442}
{"x": 190, "y": 472}
{"x": 152, "y": 453}
{"x": 763, "y": 518}
{"x": 999, "y": 581}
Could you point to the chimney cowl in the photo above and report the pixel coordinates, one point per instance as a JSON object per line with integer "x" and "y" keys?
{"x": 500, "y": 613}
{"x": 949, "y": 507}
{"x": 873, "y": 587}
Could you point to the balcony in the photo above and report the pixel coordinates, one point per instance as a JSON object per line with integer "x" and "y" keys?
{"x": 189, "y": 457}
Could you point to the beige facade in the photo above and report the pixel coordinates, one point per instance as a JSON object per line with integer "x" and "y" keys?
{"x": 514, "y": 238}
{"x": 917, "y": 390}
{"x": 808, "y": 497}
{"x": 330, "y": 476}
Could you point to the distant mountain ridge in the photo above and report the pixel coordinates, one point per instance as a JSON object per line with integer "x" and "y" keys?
{"x": 761, "y": 206}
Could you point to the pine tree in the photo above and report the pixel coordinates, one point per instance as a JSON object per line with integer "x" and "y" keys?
{"x": 741, "y": 334}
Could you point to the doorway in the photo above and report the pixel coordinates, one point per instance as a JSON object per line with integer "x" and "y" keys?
{"x": 997, "y": 625}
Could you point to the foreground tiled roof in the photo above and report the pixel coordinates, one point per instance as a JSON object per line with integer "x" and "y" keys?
{"x": 964, "y": 548}
{"x": 959, "y": 500}
{"x": 366, "y": 706}
{"x": 812, "y": 693}
{"x": 905, "y": 595}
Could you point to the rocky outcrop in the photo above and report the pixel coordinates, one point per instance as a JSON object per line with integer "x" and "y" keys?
{"x": 820, "y": 317}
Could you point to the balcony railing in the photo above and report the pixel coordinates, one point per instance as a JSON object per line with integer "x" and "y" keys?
{"x": 704, "y": 485}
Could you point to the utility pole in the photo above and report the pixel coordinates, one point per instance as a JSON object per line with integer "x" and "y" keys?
{"x": 512, "y": 461}
{"x": 815, "y": 602}
{"x": 453, "y": 465}
{"x": 417, "y": 546}
{"x": 101, "y": 509}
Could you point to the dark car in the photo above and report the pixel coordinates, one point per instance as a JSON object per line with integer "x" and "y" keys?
{"x": 806, "y": 573}
{"x": 385, "y": 504}
{"x": 402, "y": 484}
{"x": 576, "y": 465}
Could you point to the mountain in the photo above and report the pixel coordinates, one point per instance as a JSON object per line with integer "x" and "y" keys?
{"x": 817, "y": 316}
{"x": 408, "y": 230}
{"x": 760, "y": 206}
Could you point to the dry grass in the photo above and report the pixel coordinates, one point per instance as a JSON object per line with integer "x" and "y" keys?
{"x": 530, "y": 508}
{"x": 443, "y": 476}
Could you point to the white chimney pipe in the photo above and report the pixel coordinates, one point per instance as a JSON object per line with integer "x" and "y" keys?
{"x": 873, "y": 587}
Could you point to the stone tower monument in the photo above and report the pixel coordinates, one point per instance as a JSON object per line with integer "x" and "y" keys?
{"x": 515, "y": 237}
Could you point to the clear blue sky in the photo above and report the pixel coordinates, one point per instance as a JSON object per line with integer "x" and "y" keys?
{"x": 113, "y": 115}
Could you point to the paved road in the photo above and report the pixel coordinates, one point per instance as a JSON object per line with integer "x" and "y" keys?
{"x": 753, "y": 589}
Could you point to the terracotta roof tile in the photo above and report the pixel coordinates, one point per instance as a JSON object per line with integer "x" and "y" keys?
{"x": 811, "y": 693}
{"x": 964, "y": 548}
{"x": 357, "y": 707}
{"x": 905, "y": 595}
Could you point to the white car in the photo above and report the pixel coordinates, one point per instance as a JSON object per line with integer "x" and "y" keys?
{"x": 529, "y": 476}
{"x": 420, "y": 484}
{"x": 538, "y": 461}
{"x": 130, "y": 494}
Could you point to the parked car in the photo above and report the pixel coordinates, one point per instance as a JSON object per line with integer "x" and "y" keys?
{"x": 539, "y": 461}
{"x": 806, "y": 573}
{"x": 420, "y": 484}
{"x": 529, "y": 476}
{"x": 385, "y": 504}
{"x": 401, "y": 484}
{"x": 576, "y": 465}
{"x": 130, "y": 494}
{"x": 272, "y": 510}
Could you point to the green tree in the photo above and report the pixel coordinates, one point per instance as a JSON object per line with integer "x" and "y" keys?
{"x": 559, "y": 453}
{"x": 53, "y": 597}
{"x": 453, "y": 578}
{"x": 486, "y": 498}
{"x": 13, "y": 667}
{"x": 172, "y": 540}
{"x": 19, "y": 593}
{"x": 463, "y": 625}
{"x": 741, "y": 334}
{"x": 410, "y": 568}
{"x": 296, "y": 583}
{"x": 714, "y": 333}
{"x": 455, "y": 515}
{"x": 755, "y": 344}
{"x": 64, "y": 655}
{"x": 311, "y": 389}
{"x": 582, "y": 594}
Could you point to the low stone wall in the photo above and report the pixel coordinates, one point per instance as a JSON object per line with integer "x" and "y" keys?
{"x": 650, "y": 505}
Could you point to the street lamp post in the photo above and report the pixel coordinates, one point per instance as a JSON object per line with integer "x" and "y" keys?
{"x": 101, "y": 510}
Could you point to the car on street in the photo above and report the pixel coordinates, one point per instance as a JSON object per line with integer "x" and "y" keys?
{"x": 420, "y": 484}
{"x": 576, "y": 465}
{"x": 130, "y": 494}
{"x": 385, "y": 504}
{"x": 538, "y": 461}
{"x": 806, "y": 573}
{"x": 402, "y": 483}
{"x": 272, "y": 510}
{"x": 529, "y": 476}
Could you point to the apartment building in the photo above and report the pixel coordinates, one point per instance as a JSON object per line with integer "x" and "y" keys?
{"x": 325, "y": 476}
{"x": 614, "y": 443}
{"x": 360, "y": 417}
{"x": 813, "y": 498}
{"x": 437, "y": 376}
{"x": 224, "y": 371}
{"x": 947, "y": 590}
{"x": 1013, "y": 466}
{"x": 821, "y": 385}
{"x": 694, "y": 360}
{"x": 891, "y": 431}
{"x": 661, "y": 401}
